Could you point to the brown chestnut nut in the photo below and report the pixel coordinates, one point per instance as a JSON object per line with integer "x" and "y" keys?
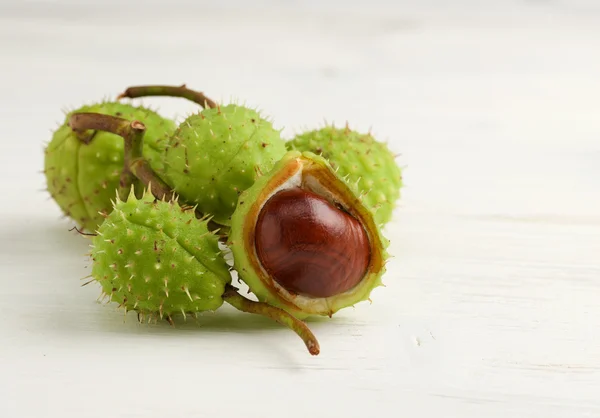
{"x": 309, "y": 246}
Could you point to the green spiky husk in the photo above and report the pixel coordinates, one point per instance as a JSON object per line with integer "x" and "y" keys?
{"x": 217, "y": 154}
{"x": 157, "y": 259}
{"x": 362, "y": 161}
{"x": 241, "y": 242}
{"x": 82, "y": 178}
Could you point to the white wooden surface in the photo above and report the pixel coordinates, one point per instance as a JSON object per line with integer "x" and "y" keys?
{"x": 492, "y": 305}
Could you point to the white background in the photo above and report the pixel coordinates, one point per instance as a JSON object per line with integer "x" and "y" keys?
{"x": 492, "y": 304}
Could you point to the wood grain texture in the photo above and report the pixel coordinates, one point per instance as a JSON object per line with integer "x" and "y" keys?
{"x": 491, "y": 306}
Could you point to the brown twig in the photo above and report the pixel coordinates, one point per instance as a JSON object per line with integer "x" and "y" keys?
{"x": 80, "y": 232}
{"x": 142, "y": 170}
{"x": 170, "y": 91}
{"x": 131, "y": 131}
{"x": 232, "y": 297}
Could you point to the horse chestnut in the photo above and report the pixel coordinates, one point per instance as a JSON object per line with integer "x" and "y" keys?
{"x": 303, "y": 241}
{"x": 309, "y": 246}
{"x": 362, "y": 160}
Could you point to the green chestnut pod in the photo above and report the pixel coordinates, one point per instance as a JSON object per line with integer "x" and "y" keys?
{"x": 217, "y": 154}
{"x": 304, "y": 241}
{"x": 154, "y": 257}
{"x": 83, "y": 168}
{"x": 362, "y": 161}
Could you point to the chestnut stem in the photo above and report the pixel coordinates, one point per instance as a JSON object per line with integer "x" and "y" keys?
{"x": 132, "y": 133}
{"x": 142, "y": 170}
{"x": 171, "y": 91}
{"x": 134, "y": 164}
{"x": 232, "y": 297}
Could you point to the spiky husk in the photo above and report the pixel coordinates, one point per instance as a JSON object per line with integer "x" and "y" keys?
{"x": 217, "y": 154}
{"x": 242, "y": 237}
{"x": 362, "y": 161}
{"x": 82, "y": 178}
{"x": 156, "y": 258}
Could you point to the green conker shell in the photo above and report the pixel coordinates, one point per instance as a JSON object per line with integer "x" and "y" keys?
{"x": 319, "y": 192}
{"x": 365, "y": 163}
{"x": 217, "y": 154}
{"x": 83, "y": 178}
{"x": 156, "y": 258}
